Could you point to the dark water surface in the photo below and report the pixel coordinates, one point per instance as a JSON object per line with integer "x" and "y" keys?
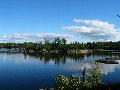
{"x": 31, "y": 72}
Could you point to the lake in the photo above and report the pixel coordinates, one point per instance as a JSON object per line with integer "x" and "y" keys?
{"x": 31, "y": 72}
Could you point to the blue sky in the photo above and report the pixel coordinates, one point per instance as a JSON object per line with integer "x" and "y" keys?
{"x": 24, "y": 19}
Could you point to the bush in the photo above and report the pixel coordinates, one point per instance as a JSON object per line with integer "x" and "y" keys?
{"x": 67, "y": 83}
{"x": 95, "y": 75}
{"x": 75, "y": 83}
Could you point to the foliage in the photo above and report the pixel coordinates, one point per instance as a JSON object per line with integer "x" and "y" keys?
{"x": 74, "y": 82}
{"x": 95, "y": 75}
{"x": 61, "y": 45}
{"x": 68, "y": 83}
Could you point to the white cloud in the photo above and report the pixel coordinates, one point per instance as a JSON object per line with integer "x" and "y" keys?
{"x": 34, "y": 37}
{"x": 95, "y": 30}
{"x": 105, "y": 69}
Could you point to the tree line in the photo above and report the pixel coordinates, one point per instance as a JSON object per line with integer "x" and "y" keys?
{"x": 61, "y": 45}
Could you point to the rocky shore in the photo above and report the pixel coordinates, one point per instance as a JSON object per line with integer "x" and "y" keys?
{"x": 17, "y": 50}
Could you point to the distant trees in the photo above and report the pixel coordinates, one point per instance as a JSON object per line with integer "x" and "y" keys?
{"x": 61, "y": 45}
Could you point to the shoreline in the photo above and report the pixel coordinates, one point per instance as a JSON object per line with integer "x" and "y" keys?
{"x": 13, "y": 50}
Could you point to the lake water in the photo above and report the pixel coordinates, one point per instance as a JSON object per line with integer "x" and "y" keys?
{"x": 31, "y": 72}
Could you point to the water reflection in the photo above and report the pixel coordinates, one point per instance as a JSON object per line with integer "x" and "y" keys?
{"x": 58, "y": 58}
{"x": 80, "y": 60}
{"x": 107, "y": 54}
{"x": 71, "y": 62}
{"x": 40, "y": 70}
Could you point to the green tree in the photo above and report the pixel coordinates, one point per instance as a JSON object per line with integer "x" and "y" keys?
{"x": 74, "y": 83}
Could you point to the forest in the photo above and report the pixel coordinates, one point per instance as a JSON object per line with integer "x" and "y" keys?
{"x": 61, "y": 45}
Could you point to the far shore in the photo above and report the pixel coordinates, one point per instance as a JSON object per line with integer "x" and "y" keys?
{"x": 17, "y": 50}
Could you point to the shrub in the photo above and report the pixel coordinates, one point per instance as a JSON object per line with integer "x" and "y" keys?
{"x": 74, "y": 83}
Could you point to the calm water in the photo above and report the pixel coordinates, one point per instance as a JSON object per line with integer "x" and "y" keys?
{"x": 31, "y": 72}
